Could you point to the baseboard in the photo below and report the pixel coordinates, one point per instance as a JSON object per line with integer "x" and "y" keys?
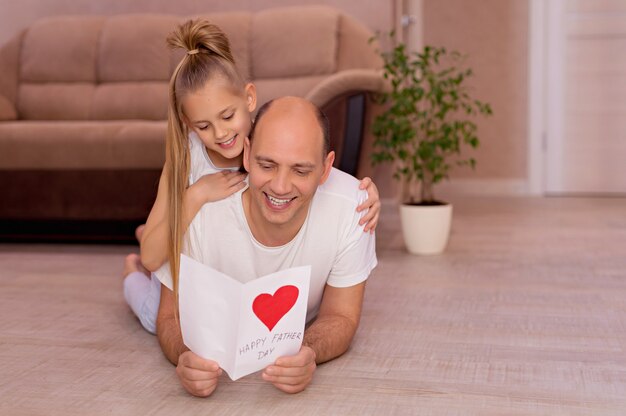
{"x": 484, "y": 187}
{"x": 477, "y": 187}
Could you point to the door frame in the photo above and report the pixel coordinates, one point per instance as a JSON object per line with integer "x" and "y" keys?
{"x": 546, "y": 96}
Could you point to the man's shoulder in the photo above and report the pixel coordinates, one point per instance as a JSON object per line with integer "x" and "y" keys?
{"x": 341, "y": 186}
{"x": 218, "y": 222}
{"x": 221, "y": 211}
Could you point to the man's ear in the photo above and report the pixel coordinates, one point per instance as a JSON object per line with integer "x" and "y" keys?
{"x": 246, "y": 154}
{"x": 250, "y": 96}
{"x": 328, "y": 166}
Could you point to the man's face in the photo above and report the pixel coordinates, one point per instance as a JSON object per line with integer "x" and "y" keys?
{"x": 286, "y": 165}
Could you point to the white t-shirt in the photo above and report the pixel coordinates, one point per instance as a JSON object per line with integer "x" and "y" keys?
{"x": 200, "y": 162}
{"x": 331, "y": 240}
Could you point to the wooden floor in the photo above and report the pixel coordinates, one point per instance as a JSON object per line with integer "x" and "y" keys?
{"x": 525, "y": 314}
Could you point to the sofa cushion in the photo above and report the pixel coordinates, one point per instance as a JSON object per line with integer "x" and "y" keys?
{"x": 82, "y": 144}
{"x": 133, "y": 48}
{"x": 236, "y": 25}
{"x": 355, "y": 50}
{"x": 9, "y": 67}
{"x": 7, "y": 111}
{"x": 269, "y": 89}
{"x": 130, "y": 101}
{"x": 284, "y": 44}
{"x": 55, "y": 101}
{"x": 61, "y": 49}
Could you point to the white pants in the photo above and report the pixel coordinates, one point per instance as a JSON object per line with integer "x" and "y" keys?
{"x": 143, "y": 296}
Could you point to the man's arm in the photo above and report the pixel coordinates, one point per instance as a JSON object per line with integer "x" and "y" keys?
{"x": 168, "y": 329}
{"x": 331, "y": 333}
{"x": 197, "y": 375}
{"x": 327, "y": 338}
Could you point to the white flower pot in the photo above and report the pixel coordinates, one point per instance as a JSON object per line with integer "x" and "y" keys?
{"x": 426, "y": 228}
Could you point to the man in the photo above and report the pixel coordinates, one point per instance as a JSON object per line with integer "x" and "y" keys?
{"x": 291, "y": 214}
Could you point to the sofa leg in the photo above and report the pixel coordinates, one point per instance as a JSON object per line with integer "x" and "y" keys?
{"x": 351, "y": 150}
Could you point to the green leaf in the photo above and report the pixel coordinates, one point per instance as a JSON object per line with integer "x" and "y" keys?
{"x": 428, "y": 114}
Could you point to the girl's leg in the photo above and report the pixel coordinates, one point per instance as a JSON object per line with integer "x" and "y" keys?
{"x": 142, "y": 292}
{"x": 139, "y": 232}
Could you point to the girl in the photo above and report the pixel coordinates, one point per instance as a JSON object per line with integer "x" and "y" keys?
{"x": 208, "y": 119}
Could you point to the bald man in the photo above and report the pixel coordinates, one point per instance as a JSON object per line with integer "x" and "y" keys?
{"x": 297, "y": 210}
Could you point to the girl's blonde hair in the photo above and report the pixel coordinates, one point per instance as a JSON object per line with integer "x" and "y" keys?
{"x": 207, "y": 55}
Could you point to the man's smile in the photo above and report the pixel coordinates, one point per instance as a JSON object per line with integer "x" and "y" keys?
{"x": 277, "y": 203}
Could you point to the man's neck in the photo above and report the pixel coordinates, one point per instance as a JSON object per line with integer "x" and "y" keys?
{"x": 270, "y": 235}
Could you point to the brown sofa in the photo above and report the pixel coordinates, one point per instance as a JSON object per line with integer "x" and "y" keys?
{"x": 83, "y": 103}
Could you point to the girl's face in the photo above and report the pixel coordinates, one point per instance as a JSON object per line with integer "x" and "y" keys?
{"x": 221, "y": 118}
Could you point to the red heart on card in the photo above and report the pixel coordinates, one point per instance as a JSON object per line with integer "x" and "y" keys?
{"x": 270, "y": 309}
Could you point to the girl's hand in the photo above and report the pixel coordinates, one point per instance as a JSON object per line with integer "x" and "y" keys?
{"x": 217, "y": 186}
{"x": 371, "y": 204}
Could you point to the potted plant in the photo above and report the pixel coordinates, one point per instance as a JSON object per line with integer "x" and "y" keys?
{"x": 427, "y": 120}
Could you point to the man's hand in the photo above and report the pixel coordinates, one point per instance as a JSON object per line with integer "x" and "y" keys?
{"x": 197, "y": 375}
{"x": 292, "y": 374}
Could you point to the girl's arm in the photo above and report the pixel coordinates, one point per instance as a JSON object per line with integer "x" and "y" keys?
{"x": 371, "y": 204}
{"x": 155, "y": 237}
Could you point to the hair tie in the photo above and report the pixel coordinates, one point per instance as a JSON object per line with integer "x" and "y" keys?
{"x": 193, "y": 51}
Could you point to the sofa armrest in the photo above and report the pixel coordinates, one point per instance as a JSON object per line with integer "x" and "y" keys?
{"x": 344, "y": 82}
{"x": 351, "y": 84}
{"x": 9, "y": 76}
{"x": 7, "y": 110}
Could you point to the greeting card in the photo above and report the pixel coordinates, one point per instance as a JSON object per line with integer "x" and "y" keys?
{"x": 244, "y": 327}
